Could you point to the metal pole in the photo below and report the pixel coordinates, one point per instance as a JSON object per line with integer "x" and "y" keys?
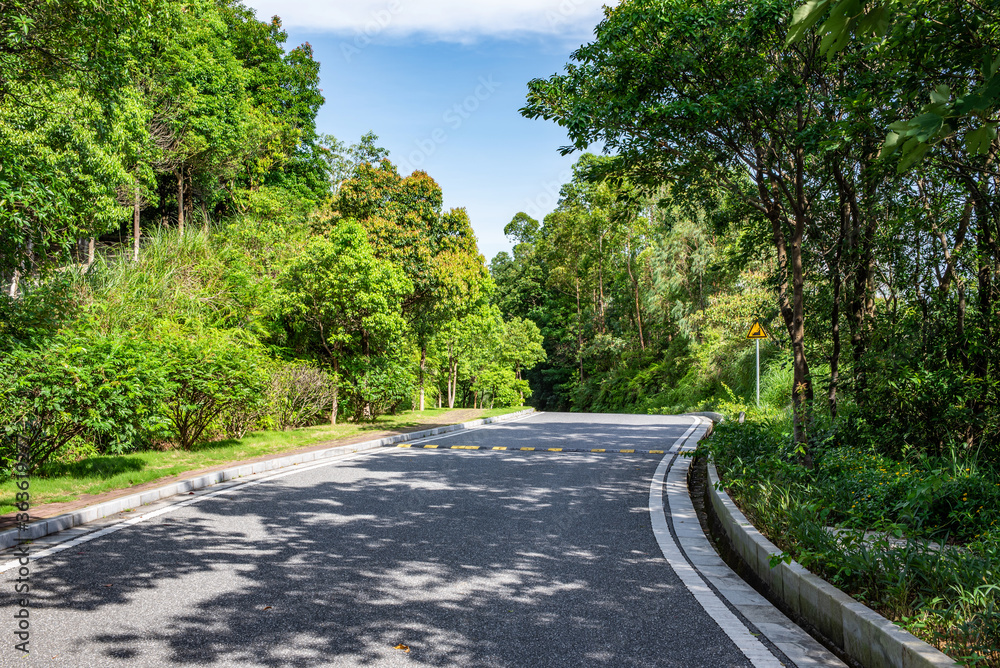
{"x": 758, "y": 372}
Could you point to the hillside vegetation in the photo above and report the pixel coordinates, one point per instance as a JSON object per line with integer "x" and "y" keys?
{"x": 185, "y": 259}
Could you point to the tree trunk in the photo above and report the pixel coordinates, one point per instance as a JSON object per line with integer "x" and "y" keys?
{"x": 600, "y": 278}
{"x": 180, "y": 201}
{"x": 579, "y": 329}
{"x": 135, "y": 225}
{"x": 835, "y": 316}
{"x": 452, "y": 382}
{"x": 90, "y": 253}
{"x": 635, "y": 290}
{"x": 336, "y": 391}
{"x": 802, "y": 396}
{"x": 13, "y": 283}
{"x": 423, "y": 364}
{"x": 791, "y": 311}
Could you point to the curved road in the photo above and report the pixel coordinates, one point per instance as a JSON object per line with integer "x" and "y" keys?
{"x": 470, "y": 558}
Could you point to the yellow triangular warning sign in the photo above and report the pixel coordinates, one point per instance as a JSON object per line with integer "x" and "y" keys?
{"x": 756, "y": 332}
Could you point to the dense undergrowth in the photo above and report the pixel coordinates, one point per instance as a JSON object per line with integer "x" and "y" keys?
{"x": 206, "y": 337}
{"x": 917, "y": 539}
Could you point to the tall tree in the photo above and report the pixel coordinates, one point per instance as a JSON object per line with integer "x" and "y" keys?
{"x": 342, "y": 302}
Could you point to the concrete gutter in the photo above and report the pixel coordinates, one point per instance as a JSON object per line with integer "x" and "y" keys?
{"x": 44, "y": 527}
{"x": 863, "y": 635}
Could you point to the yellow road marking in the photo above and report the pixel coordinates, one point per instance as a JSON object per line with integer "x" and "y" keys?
{"x": 527, "y": 448}
{"x": 500, "y": 448}
{"x": 404, "y": 446}
{"x": 601, "y": 450}
{"x": 465, "y": 447}
{"x": 555, "y": 449}
{"x": 430, "y": 446}
{"x": 626, "y": 451}
{"x": 656, "y": 452}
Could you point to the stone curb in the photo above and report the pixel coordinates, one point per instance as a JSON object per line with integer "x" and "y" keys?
{"x": 44, "y": 527}
{"x": 864, "y": 635}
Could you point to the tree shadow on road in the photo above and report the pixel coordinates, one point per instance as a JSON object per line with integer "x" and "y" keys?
{"x": 468, "y": 558}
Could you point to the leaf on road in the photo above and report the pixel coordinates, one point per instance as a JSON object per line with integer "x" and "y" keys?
{"x": 267, "y": 607}
{"x": 403, "y": 647}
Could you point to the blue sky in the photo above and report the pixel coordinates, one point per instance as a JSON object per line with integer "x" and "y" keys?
{"x": 440, "y": 82}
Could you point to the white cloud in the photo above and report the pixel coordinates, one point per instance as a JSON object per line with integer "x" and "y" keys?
{"x": 452, "y": 20}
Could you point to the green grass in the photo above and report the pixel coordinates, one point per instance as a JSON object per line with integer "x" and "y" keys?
{"x": 61, "y": 482}
{"x": 884, "y": 511}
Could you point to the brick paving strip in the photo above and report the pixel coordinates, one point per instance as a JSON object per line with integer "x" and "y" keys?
{"x": 48, "y": 510}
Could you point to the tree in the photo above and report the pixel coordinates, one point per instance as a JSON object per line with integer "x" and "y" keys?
{"x": 702, "y": 108}
{"x": 522, "y": 344}
{"x": 79, "y": 385}
{"x": 210, "y": 373}
{"x": 342, "y": 302}
{"x": 437, "y": 250}
{"x": 956, "y": 46}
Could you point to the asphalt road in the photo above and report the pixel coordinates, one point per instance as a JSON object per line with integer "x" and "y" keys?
{"x": 469, "y": 558}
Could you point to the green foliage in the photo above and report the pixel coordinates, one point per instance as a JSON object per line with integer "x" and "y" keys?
{"x": 865, "y": 522}
{"x": 110, "y": 108}
{"x": 79, "y": 384}
{"x": 345, "y": 306}
{"x": 299, "y": 395}
{"x": 378, "y": 385}
{"x": 208, "y": 373}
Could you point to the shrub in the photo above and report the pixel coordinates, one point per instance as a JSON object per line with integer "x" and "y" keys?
{"x": 380, "y": 385}
{"x": 81, "y": 384}
{"x": 299, "y": 395}
{"x": 945, "y": 593}
{"x": 210, "y": 373}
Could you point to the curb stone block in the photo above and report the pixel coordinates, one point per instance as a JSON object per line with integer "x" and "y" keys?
{"x": 791, "y": 585}
{"x": 863, "y": 634}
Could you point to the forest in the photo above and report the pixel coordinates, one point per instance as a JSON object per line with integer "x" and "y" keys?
{"x": 186, "y": 259}
{"x": 827, "y": 168}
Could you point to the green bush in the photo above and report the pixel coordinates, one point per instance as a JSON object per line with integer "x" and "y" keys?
{"x": 209, "y": 373}
{"x": 861, "y": 520}
{"x": 81, "y": 384}
{"x": 380, "y": 385}
{"x": 299, "y": 395}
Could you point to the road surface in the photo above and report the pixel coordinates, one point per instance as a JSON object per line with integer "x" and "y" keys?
{"x": 468, "y": 558}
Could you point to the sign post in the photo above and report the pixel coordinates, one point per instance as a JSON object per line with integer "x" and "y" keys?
{"x": 757, "y": 333}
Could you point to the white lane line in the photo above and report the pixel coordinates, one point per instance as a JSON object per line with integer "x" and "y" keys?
{"x": 751, "y": 647}
{"x": 680, "y": 441}
{"x": 292, "y": 470}
{"x": 35, "y": 556}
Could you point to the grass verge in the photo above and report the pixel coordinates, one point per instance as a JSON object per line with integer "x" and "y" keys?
{"x": 916, "y": 540}
{"x": 60, "y": 482}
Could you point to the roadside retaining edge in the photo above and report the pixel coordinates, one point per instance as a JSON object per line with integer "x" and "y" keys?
{"x": 864, "y": 635}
